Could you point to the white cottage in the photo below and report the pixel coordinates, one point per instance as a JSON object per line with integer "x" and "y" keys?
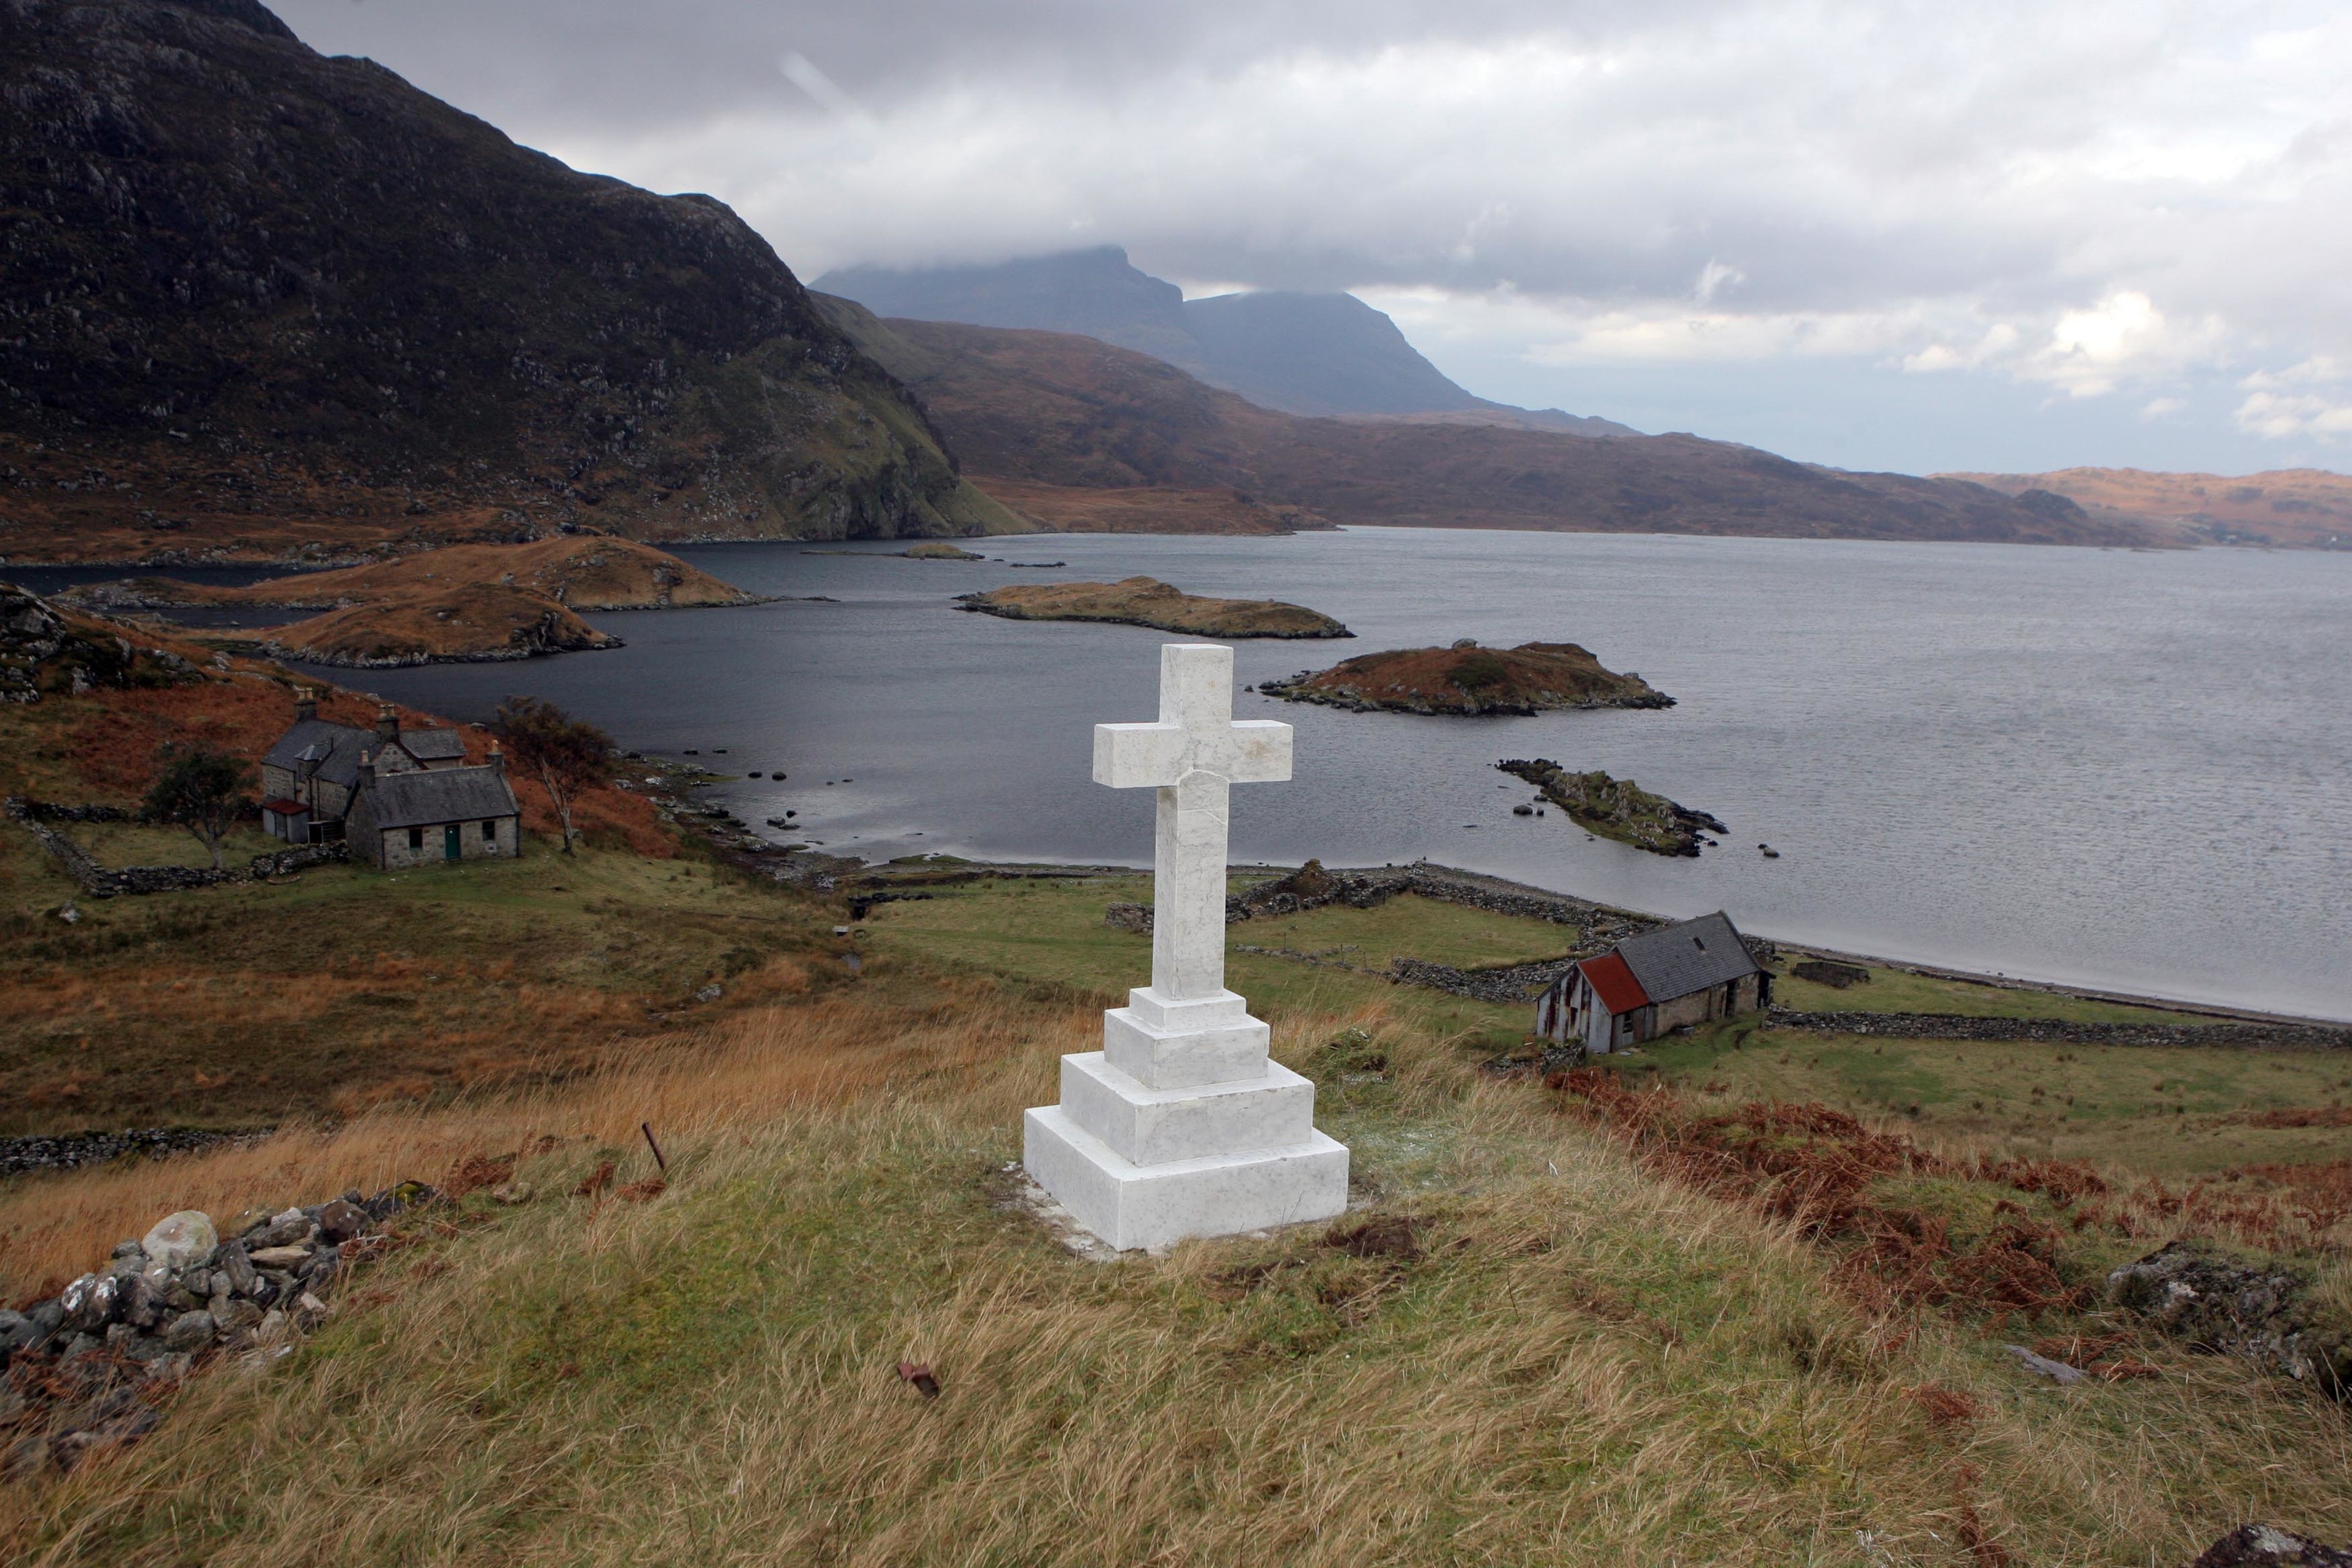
{"x": 1646, "y": 986}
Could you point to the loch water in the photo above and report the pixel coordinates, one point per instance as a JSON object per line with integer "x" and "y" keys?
{"x": 2121, "y": 769}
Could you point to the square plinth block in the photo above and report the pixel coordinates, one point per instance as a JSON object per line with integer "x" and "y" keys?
{"x": 1157, "y": 1057}
{"x": 1275, "y": 1110}
{"x": 1131, "y": 1205}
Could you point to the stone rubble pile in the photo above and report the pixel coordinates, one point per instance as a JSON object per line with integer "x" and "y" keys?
{"x": 88, "y": 1366}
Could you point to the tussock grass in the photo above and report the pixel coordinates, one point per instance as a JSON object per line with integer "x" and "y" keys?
{"x": 1543, "y": 1353}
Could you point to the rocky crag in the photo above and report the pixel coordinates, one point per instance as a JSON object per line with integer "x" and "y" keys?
{"x": 1147, "y": 602}
{"x": 1618, "y": 808}
{"x": 1533, "y": 678}
{"x": 45, "y": 649}
{"x": 265, "y": 304}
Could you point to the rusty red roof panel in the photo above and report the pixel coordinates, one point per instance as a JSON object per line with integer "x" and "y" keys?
{"x": 1614, "y": 983}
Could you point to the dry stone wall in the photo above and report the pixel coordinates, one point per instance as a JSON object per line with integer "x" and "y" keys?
{"x": 2058, "y": 1031}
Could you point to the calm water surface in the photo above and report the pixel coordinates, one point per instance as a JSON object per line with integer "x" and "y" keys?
{"x": 2127, "y": 770}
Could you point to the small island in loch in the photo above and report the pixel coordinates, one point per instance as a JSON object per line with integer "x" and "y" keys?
{"x": 461, "y": 603}
{"x": 1533, "y": 678}
{"x": 1618, "y": 808}
{"x": 1147, "y": 602}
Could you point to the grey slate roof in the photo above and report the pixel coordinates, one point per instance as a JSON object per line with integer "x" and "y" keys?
{"x": 427, "y": 798}
{"x": 339, "y": 747}
{"x": 433, "y": 745}
{"x": 1677, "y": 960}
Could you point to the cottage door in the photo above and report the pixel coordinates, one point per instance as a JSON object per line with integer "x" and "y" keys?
{"x": 450, "y": 848}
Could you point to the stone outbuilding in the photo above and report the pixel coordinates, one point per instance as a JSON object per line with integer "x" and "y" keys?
{"x": 309, "y": 776}
{"x": 420, "y": 817}
{"x": 1646, "y": 986}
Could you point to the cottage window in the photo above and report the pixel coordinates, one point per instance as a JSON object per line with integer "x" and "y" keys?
{"x": 489, "y": 833}
{"x": 416, "y": 838}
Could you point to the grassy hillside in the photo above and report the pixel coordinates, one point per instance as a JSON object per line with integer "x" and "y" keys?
{"x": 1531, "y": 1341}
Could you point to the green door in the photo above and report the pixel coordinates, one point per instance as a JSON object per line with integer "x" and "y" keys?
{"x": 450, "y": 848}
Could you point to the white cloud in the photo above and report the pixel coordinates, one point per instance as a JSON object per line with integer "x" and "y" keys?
{"x": 2277, "y": 416}
{"x": 2124, "y": 336}
{"x": 2275, "y": 410}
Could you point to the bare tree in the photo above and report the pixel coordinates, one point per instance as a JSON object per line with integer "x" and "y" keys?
{"x": 206, "y": 791}
{"x": 565, "y": 755}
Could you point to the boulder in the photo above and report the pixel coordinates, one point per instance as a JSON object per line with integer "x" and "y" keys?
{"x": 181, "y": 1240}
{"x": 2263, "y": 1546}
{"x": 238, "y": 1314}
{"x": 190, "y": 1331}
{"x": 238, "y": 1267}
{"x": 341, "y": 1220}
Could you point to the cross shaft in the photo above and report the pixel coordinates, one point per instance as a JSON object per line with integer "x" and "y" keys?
{"x": 1193, "y": 756}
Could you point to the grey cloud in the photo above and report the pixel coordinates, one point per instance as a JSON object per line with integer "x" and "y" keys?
{"x": 1886, "y": 178}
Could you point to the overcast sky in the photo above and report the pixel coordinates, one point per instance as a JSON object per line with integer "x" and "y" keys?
{"x": 1912, "y": 236}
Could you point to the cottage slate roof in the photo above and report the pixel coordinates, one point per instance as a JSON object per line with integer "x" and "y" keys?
{"x": 1614, "y": 983}
{"x": 339, "y": 747}
{"x": 1677, "y": 960}
{"x": 428, "y": 798}
{"x": 433, "y": 745}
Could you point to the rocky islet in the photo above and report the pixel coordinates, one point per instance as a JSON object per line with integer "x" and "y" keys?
{"x": 1466, "y": 679}
{"x": 1618, "y": 808}
{"x": 1147, "y": 602}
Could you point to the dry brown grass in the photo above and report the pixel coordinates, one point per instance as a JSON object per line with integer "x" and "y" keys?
{"x": 743, "y": 1071}
{"x": 1525, "y": 1349}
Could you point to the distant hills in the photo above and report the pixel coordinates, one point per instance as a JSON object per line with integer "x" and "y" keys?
{"x": 1069, "y": 427}
{"x": 2288, "y": 507}
{"x": 260, "y": 303}
{"x": 1297, "y": 354}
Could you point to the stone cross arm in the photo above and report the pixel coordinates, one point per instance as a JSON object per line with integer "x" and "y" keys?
{"x": 1192, "y": 756}
{"x": 1196, "y": 731}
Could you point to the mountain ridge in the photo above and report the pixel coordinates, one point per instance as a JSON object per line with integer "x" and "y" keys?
{"x": 261, "y": 301}
{"x": 1296, "y": 352}
{"x": 1060, "y": 409}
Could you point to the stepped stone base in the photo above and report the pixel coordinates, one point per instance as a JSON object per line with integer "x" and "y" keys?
{"x": 1132, "y": 1205}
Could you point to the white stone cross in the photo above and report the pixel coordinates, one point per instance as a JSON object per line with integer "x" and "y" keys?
{"x": 1182, "y": 1125}
{"x": 1193, "y": 756}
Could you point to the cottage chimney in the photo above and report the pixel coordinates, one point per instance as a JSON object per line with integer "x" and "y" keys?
{"x": 306, "y": 705}
{"x": 497, "y": 758}
{"x": 387, "y": 722}
{"x": 366, "y": 779}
